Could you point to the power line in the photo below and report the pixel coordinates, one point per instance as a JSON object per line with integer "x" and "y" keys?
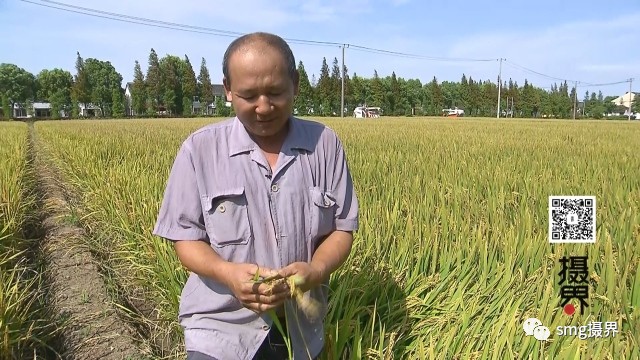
{"x": 414, "y": 56}
{"x": 567, "y": 80}
{"x": 158, "y": 23}
{"x": 126, "y": 21}
{"x": 226, "y": 33}
{"x": 141, "y": 19}
{"x": 512, "y": 64}
{"x": 606, "y": 84}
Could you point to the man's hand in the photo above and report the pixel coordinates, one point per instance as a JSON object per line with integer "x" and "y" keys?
{"x": 306, "y": 275}
{"x": 256, "y": 296}
{"x": 199, "y": 257}
{"x": 329, "y": 256}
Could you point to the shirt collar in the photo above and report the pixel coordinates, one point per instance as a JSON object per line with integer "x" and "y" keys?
{"x": 240, "y": 141}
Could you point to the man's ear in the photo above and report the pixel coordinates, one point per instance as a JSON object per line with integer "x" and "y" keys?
{"x": 227, "y": 88}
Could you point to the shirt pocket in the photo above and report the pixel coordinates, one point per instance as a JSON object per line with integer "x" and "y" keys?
{"x": 323, "y": 209}
{"x": 226, "y": 217}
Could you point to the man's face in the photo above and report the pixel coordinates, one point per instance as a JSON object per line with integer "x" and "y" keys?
{"x": 261, "y": 90}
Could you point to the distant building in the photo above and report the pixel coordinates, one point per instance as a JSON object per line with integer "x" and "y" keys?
{"x": 623, "y": 104}
{"x": 128, "y": 103}
{"x": 89, "y": 110}
{"x": 42, "y": 109}
{"x": 197, "y": 107}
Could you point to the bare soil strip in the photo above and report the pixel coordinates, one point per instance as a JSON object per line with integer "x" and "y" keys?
{"x": 78, "y": 293}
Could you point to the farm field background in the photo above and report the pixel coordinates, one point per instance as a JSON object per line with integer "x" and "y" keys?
{"x": 452, "y": 253}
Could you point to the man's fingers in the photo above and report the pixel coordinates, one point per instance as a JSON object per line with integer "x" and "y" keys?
{"x": 278, "y": 289}
{"x": 251, "y": 289}
{"x": 262, "y": 272}
{"x": 265, "y": 299}
{"x": 260, "y": 307}
{"x": 288, "y": 270}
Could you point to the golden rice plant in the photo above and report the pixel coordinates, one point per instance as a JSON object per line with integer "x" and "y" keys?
{"x": 25, "y": 328}
{"x": 452, "y": 252}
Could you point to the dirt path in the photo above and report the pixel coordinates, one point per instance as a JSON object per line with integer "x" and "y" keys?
{"x": 78, "y": 293}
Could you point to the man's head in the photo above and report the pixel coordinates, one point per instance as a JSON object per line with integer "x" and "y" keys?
{"x": 261, "y": 80}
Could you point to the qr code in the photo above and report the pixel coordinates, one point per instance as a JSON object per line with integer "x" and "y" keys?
{"x": 572, "y": 219}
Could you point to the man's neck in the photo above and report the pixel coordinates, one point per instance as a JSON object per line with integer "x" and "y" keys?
{"x": 274, "y": 143}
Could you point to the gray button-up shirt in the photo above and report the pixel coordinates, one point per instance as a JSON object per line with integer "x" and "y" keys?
{"x": 222, "y": 189}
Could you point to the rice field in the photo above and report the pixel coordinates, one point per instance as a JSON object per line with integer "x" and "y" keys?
{"x": 452, "y": 254}
{"x": 25, "y": 329}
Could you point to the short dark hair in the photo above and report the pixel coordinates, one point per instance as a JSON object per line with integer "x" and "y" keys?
{"x": 271, "y": 40}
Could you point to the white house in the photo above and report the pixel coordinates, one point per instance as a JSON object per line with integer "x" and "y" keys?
{"x": 128, "y": 107}
{"x": 196, "y": 108}
{"x": 626, "y": 101}
{"x": 89, "y": 110}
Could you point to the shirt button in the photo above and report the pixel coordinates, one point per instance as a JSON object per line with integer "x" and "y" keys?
{"x": 221, "y": 208}
{"x": 274, "y": 187}
{"x": 265, "y": 327}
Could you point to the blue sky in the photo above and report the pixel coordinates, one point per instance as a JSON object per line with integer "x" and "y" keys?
{"x": 565, "y": 39}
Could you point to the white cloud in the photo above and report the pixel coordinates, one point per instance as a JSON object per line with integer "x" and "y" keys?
{"x": 579, "y": 50}
{"x": 239, "y": 16}
{"x": 608, "y": 68}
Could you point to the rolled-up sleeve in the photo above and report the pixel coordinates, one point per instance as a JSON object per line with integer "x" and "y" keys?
{"x": 180, "y": 216}
{"x": 344, "y": 192}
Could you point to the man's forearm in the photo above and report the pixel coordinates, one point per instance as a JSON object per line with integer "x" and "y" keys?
{"x": 332, "y": 253}
{"x": 200, "y": 258}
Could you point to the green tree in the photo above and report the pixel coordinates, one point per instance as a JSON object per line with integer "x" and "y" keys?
{"x": 393, "y": 95}
{"x": 464, "y": 93}
{"x": 324, "y": 89}
{"x": 526, "y": 100}
{"x": 81, "y": 90}
{"x": 117, "y": 100}
{"x": 6, "y": 108}
{"x": 189, "y": 86}
{"x": 375, "y": 95}
{"x": 336, "y": 88}
{"x": 348, "y": 94}
{"x": 138, "y": 91}
{"x": 304, "y": 101}
{"x": 413, "y": 89}
{"x": 475, "y": 98}
{"x": 609, "y": 105}
{"x": 154, "y": 82}
{"x": 103, "y": 80}
{"x": 587, "y": 104}
{"x": 358, "y": 91}
{"x": 433, "y": 98}
{"x": 171, "y": 84}
{"x": 221, "y": 108}
{"x": 16, "y": 85}
{"x": 54, "y": 86}
{"x": 205, "y": 87}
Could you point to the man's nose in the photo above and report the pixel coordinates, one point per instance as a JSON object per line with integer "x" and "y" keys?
{"x": 264, "y": 105}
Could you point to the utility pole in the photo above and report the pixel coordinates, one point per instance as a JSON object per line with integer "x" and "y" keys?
{"x": 499, "y": 86}
{"x": 575, "y": 100}
{"x": 630, "y": 103}
{"x": 342, "y": 97}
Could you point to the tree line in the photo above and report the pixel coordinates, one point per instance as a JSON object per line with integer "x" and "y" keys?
{"x": 170, "y": 86}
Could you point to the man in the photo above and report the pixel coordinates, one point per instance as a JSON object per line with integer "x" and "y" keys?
{"x": 262, "y": 194}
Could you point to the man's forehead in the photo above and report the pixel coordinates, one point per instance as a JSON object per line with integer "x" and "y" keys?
{"x": 255, "y": 60}
{"x": 254, "y": 48}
